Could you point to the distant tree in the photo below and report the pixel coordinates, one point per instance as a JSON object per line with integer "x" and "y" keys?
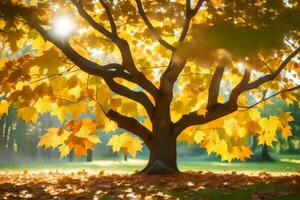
{"x": 89, "y": 157}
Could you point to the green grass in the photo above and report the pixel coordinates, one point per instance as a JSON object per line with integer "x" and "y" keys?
{"x": 236, "y": 194}
{"x": 285, "y": 163}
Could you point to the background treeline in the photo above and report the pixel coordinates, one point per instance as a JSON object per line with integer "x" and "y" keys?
{"x": 18, "y": 140}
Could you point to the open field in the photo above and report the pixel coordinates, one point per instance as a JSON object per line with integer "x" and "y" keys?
{"x": 284, "y": 163}
{"x": 113, "y": 179}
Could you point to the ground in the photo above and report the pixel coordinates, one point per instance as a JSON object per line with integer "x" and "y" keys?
{"x": 188, "y": 185}
{"x": 112, "y": 179}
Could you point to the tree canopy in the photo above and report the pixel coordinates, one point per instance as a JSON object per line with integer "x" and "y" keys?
{"x": 195, "y": 70}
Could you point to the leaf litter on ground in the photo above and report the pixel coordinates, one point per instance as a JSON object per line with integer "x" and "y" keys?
{"x": 187, "y": 185}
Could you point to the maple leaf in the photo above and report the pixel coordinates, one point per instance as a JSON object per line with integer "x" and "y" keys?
{"x": 88, "y": 130}
{"x": 43, "y": 105}
{"x": 3, "y": 107}
{"x": 127, "y": 142}
{"x": 187, "y": 136}
{"x": 28, "y": 114}
{"x": 64, "y": 150}
{"x": 202, "y": 110}
{"x": 221, "y": 148}
{"x": 286, "y": 132}
{"x": 53, "y": 138}
{"x": 110, "y": 126}
{"x": 266, "y": 138}
{"x": 245, "y": 153}
{"x": 199, "y": 136}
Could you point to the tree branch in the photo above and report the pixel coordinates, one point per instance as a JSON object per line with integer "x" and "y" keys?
{"x": 131, "y": 125}
{"x": 123, "y": 46}
{"x": 273, "y": 75}
{"x": 273, "y": 95}
{"x": 191, "y": 119}
{"x": 240, "y": 88}
{"x": 110, "y": 17}
{"x": 133, "y": 95}
{"x": 82, "y": 12}
{"x": 198, "y": 6}
{"x": 151, "y": 27}
{"x": 178, "y": 61}
{"x": 83, "y": 63}
{"x": 189, "y": 14}
{"x": 108, "y": 72}
{"x": 214, "y": 87}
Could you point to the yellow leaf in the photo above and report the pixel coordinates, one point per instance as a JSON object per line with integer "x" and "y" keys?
{"x": 127, "y": 142}
{"x": 198, "y": 137}
{"x": 266, "y": 138}
{"x": 60, "y": 113}
{"x": 53, "y": 138}
{"x": 75, "y": 109}
{"x": 28, "y": 114}
{"x": 187, "y": 136}
{"x": 202, "y": 110}
{"x": 221, "y": 148}
{"x": 110, "y": 126}
{"x": 245, "y": 153}
{"x": 64, "y": 150}
{"x": 286, "y": 132}
{"x": 43, "y": 105}
{"x": 3, "y": 107}
{"x": 129, "y": 108}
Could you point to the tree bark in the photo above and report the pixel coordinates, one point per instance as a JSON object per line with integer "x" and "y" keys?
{"x": 265, "y": 156}
{"x": 71, "y": 156}
{"x": 163, "y": 155}
{"x": 2, "y": 123}
{"x": 89, "y": 157}
{"x": 125, "y": 157}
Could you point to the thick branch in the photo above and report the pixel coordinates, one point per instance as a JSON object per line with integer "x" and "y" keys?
{"x": 191, "y": 119}
{"x": 214, "y": 87}
{"x": 131, "y": 125}
{"x": 108, "y": 72}
{"x": 178, "y": 61}
{"x": 151, "y": 27}
{"x": 123, "y": 45}
{"x": 171, "y": 74}
{"x": 240, "y": 88}
{"x": 134, "y": 95}
{"x": 83, "y": 63}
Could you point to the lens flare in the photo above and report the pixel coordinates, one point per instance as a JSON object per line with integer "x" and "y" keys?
{"x": 63, "y": 26}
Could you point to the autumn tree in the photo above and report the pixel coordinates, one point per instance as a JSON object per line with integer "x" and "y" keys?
{"x": 164, "y": 70}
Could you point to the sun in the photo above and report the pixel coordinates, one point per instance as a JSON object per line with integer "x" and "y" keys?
{"x": 63, "y": 25}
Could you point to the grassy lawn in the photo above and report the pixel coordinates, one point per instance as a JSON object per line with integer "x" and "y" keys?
{"x": 237, "y": 194}
{"x": 284, "y": 163}
{"x": 190, "y": 185}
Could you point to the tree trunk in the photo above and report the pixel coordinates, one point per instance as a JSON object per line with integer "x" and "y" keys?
{"x": 163, "y": 158}
{"x": 89, "y": 157}
{"x": 11, "y": 142}
{"x": 71, "y": 156}
{"x": 2, "y": 123}
{"x": 6, "y": 134}
{"x": 265, "y": 156}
